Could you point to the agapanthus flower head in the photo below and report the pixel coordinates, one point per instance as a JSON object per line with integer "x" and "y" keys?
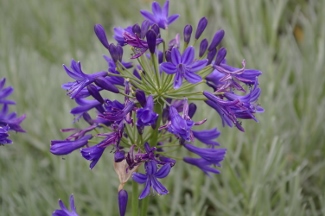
{"x": 162, "y": 89}
{"x": 150, "y": 178}
{"x": 159, "y": 15}
{"x": 64, "y": 211}
{"x": 184, "y": 66}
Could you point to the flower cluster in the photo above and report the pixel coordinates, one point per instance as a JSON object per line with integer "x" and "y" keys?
{"x": 158, "y": 93}
{"x": 8, "y": 121}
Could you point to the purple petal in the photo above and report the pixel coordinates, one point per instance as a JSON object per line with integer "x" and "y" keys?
{"x": 158, "y": 187}
{"x": 178, "y": 81}
{"x": 72, "y": 206}
{"x": 192, "y": 77}
{"x": 198, "y": 65}
{"x": 105, "y": 84}
{"x": 64, "y": 147}
{"x": 168, "y": 67}
{"x": 165, "y": 9}
{"x": 176, "y": 56}
{"x": 139, "y": 177}
{"x": 188, "y": 55}
{"x": 156, "y": 9}
{"x": 145, "y": 191}
{"x": 148, "y": 16}
{"x": 164, "y": 171}
{"x": 172, "y": 18}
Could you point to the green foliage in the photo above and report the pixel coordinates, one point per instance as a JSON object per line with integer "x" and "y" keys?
{"x": 274, "y": 168}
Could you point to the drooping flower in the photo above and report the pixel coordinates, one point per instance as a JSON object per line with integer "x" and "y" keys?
{"x": 179, "y": 126}
{"x": 64, "y": 147}
{"x": 183, "y": 66}
{"x": 159, "y": 15}
{"x": 226, "y": 109}
{"x": 207, "y": 136}
{"x": 84, "y": 106}
{"x": 94, "y": 153}
{"x": 64, "y": 211}
{"x": 212, "y": 155}
{"x": 150, "y": 178}
{"x": 203, "y": 164}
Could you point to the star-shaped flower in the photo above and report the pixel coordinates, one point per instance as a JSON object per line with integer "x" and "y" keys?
{"x": 184, "y": 66}
{"x": 150, "y": 178}
{"x": 159, "y": 15}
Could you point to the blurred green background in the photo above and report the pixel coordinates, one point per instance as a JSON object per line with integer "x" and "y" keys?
{"x": 276, "y": 167}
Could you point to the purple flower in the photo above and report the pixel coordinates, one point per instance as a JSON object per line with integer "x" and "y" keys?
{"x": 84, "y": 106}
{"x": 212, "y": 155}
{"x": 122, "y": 201}
{"x": 179, "y": 126}
{"x": 207, "y": 136}
{"x": 159, "y": 15}
{"x": 225, "y": 77}
{"x": 5, "y": 92}
{"x": 150, "y": 178}
{"x": 115, "y": 111}
{"x": 82, "y": 79}
{"x": 64, "y": 211}
{"x": 140, "y": 45}
{"x": 203, "y": 164}
{"x": 4, "y": 135}
{"x": 146, "y": 116}
{"x": 236, "y": 106}
{"x": 94, "y": 153}
{"x": 229, "y": 111}
{"x": 11, "y": 119}
{"x": 119, "y": 34}
{"x": 184, "y": 66}
{"x": 112, "y": 68}
{"x": 64, "y": 147}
